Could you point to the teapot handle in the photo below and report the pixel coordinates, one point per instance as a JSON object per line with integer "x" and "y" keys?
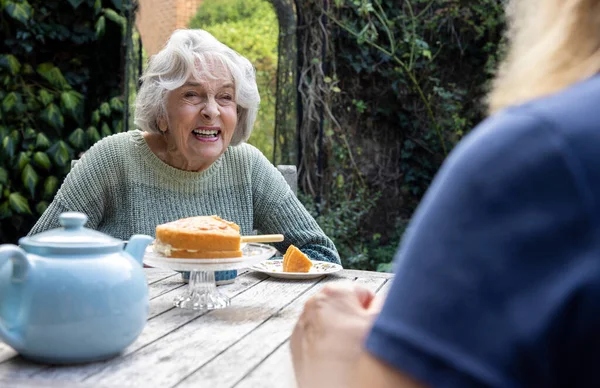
{"x": 21, "y": 267}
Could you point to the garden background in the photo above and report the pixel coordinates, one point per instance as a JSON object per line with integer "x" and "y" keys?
{"x": 365, "y": 97}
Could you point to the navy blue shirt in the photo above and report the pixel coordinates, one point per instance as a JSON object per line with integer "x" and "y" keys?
{"x": 498, "y": 276}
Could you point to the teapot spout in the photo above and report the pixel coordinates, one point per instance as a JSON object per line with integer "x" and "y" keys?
{"x": 137, "y": 246}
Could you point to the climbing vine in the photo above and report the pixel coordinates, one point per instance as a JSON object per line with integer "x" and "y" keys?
{"x": 58, "y": 95}
{"x": 388, "y": 88}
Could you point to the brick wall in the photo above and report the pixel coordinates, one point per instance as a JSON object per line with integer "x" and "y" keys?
{"x": 157, "y": 19}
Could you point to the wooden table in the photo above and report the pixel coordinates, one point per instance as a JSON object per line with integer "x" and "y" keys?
{"x": 243, "y": 346}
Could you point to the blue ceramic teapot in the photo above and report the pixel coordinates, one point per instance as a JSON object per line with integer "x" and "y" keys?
{"x": 72, "y": 294}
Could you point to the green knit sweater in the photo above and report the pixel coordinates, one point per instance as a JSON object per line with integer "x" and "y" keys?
{"x": 125, "y": 189}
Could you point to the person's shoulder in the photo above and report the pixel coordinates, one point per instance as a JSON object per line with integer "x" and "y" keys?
{"x": 574, "y": 114}
{"x": 573, "y": 110}
{"x": 524, "y": 149}
{"x": 245, "y": 152}
{"x": 110, "y": 149}
{"x": 244, "y": 149}
{"x": 117, "y": 140}
{"x": 560, "y": 126}
{"x": 551, "y": 121}
{"x": 505, "y": 139}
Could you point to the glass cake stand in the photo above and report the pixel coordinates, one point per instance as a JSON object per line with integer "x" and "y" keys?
{"x": 202, "y": 293}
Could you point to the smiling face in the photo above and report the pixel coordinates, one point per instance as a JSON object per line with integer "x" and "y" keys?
{"x": 201, "y": 119}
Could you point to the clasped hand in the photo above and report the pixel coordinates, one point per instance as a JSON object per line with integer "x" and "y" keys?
{"x": 327, "y": 341}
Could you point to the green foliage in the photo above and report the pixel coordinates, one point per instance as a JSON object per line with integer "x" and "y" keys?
{"x": 20, "y": 11}
{"x": 341, "y": 219}
{"x": 214, "y": 12}
{"x": 433, "y": 55}
{"x": 53, "y": 75}
{"x": 344, "y": 215}
{"x": 249, "y": 27}
{"x": 405, "y": 82}
{"x": 11, "y": 63}
{"x": 48, "y": 98}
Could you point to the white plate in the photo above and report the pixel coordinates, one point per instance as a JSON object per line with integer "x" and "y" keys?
{"x": 274, "y": 268}
{"x": 252, "y": 254}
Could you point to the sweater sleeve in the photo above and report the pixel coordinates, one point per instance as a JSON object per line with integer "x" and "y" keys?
{"x": 84, "y": 189}
{"x": 278, "y": 210}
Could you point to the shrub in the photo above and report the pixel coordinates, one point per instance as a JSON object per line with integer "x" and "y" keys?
{"x": 398, "y": 83}
{"x": 58, "y": 97}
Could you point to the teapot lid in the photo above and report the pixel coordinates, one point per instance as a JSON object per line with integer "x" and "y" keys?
{"x": 71, "y": 238}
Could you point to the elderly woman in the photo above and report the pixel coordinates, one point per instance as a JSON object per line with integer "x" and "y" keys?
{"x": 498, "y": 278}
{"x": 195, "y": 110}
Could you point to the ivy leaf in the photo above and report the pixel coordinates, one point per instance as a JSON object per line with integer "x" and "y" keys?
{"x": 42, "y": 160}
{"x": 3, "y": 176}
{"x": 12, "y": 102}
{"x": 29, "y": 134}
{"x": 27, "y": 69}
{"x": 95, "y": 117}
{"x": 105, "y": 109}
{"x": 42, "y": 142}
{"x": 30, "y": 179}
{"x": 75, "y": 3}
{"x": 61, "y": 153}
{"x": 5, "y": 211}
{"x": 100, "y": 27}
{"x": 9, "y": 143}
{"x": 21, "y": 11}
{"x": 10, "y": 63}
{"x": 93, "y": 135}
{"x": 41, "y": 207}
{"x": 97, "y": 7}
{"x": 77, "y": 138}
{"x": 45, "y": 97}
{"x": 117, "y": 4}
{"x": 53, "y": 75}
{"x": 117, "y": 104}
{"x": 50, "y": 187}
{"x": 71, "y": 101}
{"x": 53, "y": 117}
{"x": 23, "y": 160}
{"x": 106, "y": 130}
{"x": 18, "y": 203}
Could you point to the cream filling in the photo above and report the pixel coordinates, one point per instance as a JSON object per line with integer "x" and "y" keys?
{"x": 166, "y": 249}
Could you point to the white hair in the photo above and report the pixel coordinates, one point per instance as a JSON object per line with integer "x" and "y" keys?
{"x": 185, "y": 55}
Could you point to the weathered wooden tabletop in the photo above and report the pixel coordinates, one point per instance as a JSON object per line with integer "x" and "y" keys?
{"x": 244, "y": 345}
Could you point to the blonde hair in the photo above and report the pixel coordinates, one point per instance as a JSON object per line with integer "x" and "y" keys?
{"x": 189, "y": 53}
{"x": 552, "y": 44}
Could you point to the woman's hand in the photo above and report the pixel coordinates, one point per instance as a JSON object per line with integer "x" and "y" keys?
{"x": 328, "y": 338}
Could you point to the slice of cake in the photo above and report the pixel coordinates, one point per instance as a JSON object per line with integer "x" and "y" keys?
{"x": 204, "y": 237}
{"x": 296, "y": 261}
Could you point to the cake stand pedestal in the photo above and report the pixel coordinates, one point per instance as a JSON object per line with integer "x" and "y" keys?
{"x": 202, "y": 293}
